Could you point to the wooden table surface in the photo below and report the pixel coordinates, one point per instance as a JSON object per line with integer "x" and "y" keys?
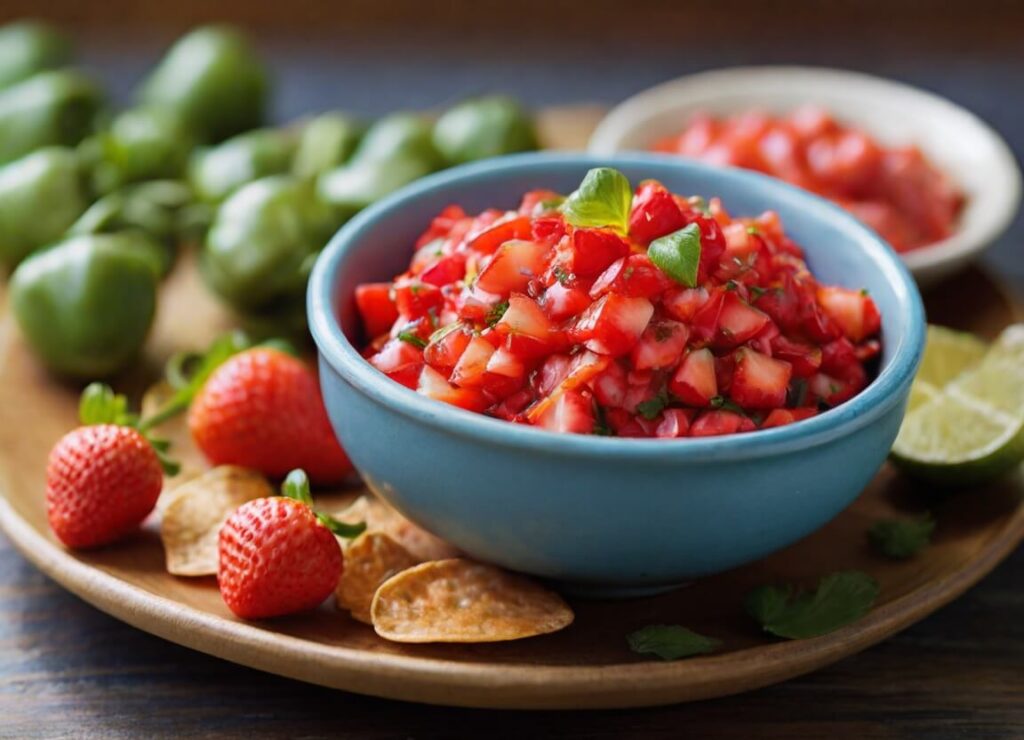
{"x": 67, "y": 670}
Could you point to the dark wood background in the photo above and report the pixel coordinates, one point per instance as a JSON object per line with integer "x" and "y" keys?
{"x": 67, "y": 670}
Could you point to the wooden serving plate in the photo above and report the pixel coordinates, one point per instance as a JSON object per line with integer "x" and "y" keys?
{"x": 586, "y": 666}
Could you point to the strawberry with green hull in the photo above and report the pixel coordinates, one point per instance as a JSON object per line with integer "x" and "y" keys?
{"x": 609, "y": 312}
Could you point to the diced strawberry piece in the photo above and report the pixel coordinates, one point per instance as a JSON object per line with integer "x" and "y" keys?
{"x": 444, "y": 351}
{"x": 561, "y": 301}
{"x": 524, "y": 316}
{"x": 763, "y": 341}
{"x": 610, "y": 386}
{"x": 817, "y": 324}
{"x": 868, "y": 350}
{"x": 660, "y": 346}
{"x": 805, "y": 358}
{"x": 433, "y": 385}
{"x": 489, "y": 239}
{"x": 613, "y": 325}
{"x": 505, "y": 363}
{"x": 441, "y": 225}
{"x": 551, "y": 374}
{"x": 534, "y": 198}
{"x": 782, "y": 417}
{"x": 445, "y": 270}
{"x": 474, "y": 304}
{"x": 414, "y": 299}
{"x": 673, "y": 423}
{"x": 854, "y": 311}
{"x": 376, "y": 308}
{"x": 528, "y": 348}
{"x": 513, "y": 406}
{"x": 655, "y": 213}
{"x": 712, "y": 245}
{"x": 512, "y": 267}
{"x": 759, "y": 381}
{"x": 683, "y": 304}
{"x": 590, "y": 251}
{"x": 704, "y": 325}
{"x": 624, "y": 424}
{"x": 549, "y": 229}
{"x": 725, "y": 368}
{"x": 783, "y": 305}
{"x": 469, "y": 370}
{"x": 716, "y": 423}
{"x": 695, "y": 383}
{"x": 634, "y": 276}
{"x": 838, "y": 355}
{"x": 738, "y": 321}
{"x": 581, "y": 370}
{"x": 571, "y": 412}
{"x": 829, "y": 390}
{"x": 400, "y": 361}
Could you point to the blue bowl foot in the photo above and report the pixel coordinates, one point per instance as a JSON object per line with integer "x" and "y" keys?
{"x": 612, "y": 591}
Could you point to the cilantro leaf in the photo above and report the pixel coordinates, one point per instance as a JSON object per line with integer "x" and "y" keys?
{"x": 562, "y": 276}
{"x": 900, "y": 539}
{"x": 412, "y": 338}
{"x": 841, "y": 598}
{"x": 670, "y": 642}
{"x": 725, "y": 404}
{"x": 650, "y": 408}
{"x": 602, "y": 199}
{"x": 495, "y": 314}
{"x": 678, "y": 254}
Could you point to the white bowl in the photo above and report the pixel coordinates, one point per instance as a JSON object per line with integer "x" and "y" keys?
{"x": 956, "y": 140}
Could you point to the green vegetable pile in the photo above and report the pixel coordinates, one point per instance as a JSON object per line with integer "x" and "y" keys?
{"x": 95, "y": 204}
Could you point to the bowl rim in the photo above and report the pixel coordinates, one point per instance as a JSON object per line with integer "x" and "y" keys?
{"x": 870, "y": 404}
{"x": 998, "y": 211}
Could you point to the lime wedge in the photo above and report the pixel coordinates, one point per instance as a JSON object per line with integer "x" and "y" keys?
{"x": 947, "y": 354}
{"x": 968, "y": 428}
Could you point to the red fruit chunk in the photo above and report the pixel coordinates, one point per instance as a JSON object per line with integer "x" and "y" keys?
{"x": 673, "y": 423}
{"x": 444, "y": 351}
{"x": 695, "y": 383}
{"x": 262, "y": 409}
{"x": 376, "y": 308}
{"x": 471, "y": 367}
{"x": 738, "y": 321}
{"x": 505, "y": 363}
{"x": 613, "y": 325}
{"x": 571, "y": 412}
{"x": 610, "y": 386}
{"x": 782, "y": 417}
{"x": 804, "y": 358}
{"x": 854, "y": 311}
{"x": 414, "y": 298}
{"x": 655, "y": 213}
{"x": 661, "y": 345}
{"x": 433, "y": 385}
{"x": 561, "y": 302}
{"x": 489, "y": 239}
{"x": 399, "y": 360}
{"x": 441, "y": 225}
{"x": 276, "y": 558}
{"x": 716, "y": 423}
{"x": 759, "y": 381}
{"x": 590, "y": 251}
{"x": 634, "y": 276}
{"x": 445, "y": 270}
{"x": 512, "y": 267}
{"x": 534, "y": 198}
{"x": 101, "y": 482}
{"x": 712, "y": 246}
{"x": 683, "y": 304}
{"x": 524, "y": 316}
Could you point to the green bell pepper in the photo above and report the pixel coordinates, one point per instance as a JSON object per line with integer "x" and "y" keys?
{"x": 264, "y": 241}
{"x": 214, "y": 79}
{"x": 41, "y": 195}
{"x": 326, "y": 142}
{"x": 85, "y": 305}
{"x": 217, "y": 172}
{"x": 484, "y": 127}
{"x": 141, "y": 144}
{"x": 162, "y": 210}
{"x": 51, "y": 108}
{"x": 27, "y": 47}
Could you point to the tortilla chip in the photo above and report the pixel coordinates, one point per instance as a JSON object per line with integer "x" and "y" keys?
{"x": 380, "y": 517}
{"x": 193, "y": 516}
{"x": 371, "y": 559}
{"x": 460, "y": 600}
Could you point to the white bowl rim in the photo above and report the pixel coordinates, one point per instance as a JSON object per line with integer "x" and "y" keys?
{"x": 998, "y": 206}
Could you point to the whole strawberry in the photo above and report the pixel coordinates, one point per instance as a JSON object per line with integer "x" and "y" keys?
{"x": 262, "y": 409}
{"x": 277, "y": 557}
{"x": 102, "y": 479}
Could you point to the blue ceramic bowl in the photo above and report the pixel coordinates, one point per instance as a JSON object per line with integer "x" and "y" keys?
{"x": 612, "y": 516}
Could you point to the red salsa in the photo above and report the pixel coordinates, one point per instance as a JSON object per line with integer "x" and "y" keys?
{"x": 896, "y": 191}
{"x": 643, "y": 314}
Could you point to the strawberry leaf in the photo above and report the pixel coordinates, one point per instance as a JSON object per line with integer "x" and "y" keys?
{"x": 100, "y": 405}
{"x": 296, "y": 486}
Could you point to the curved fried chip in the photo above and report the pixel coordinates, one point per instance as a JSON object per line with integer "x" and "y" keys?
{"x": 459, "y": 600}
{"x": 371, "y": 559}
{"x": 380, "y": 517}
{"x": 193, "y": 517}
